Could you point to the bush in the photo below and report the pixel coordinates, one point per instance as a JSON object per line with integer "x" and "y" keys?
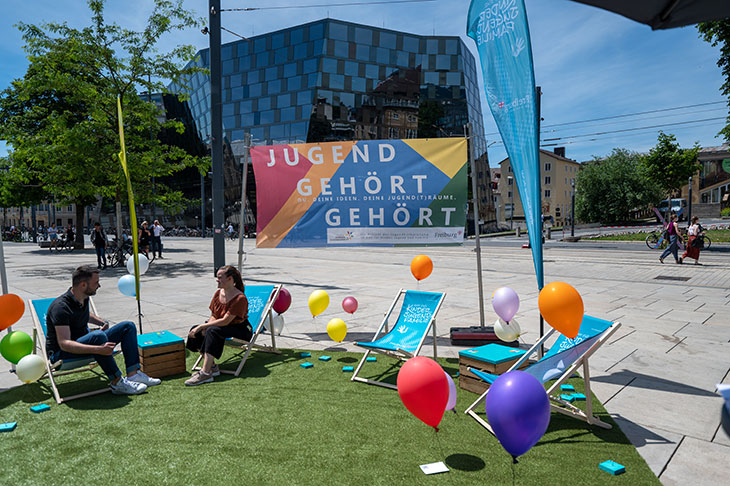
{"x": 725, "y": 213}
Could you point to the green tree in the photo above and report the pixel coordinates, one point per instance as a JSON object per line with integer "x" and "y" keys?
{"x": 717, "y": 33}
{"x": 61, "y": 117}
{"x": 608, "y": 190}
{"x": 669, "y": 166}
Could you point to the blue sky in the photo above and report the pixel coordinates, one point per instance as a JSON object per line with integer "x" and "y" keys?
{"x": 590, "y": 63}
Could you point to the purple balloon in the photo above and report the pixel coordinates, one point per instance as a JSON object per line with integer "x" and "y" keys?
{"x": 282, "y": 302}
{"x": 452, "y": 393}
{"x": 518, "y": 410}
{"x": 505, "y": 303}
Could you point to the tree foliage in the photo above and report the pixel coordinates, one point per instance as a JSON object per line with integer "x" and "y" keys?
{"x": 609, "y": 190}
{"x": 61, "y": 118}
{"x": 717, "y": 33}
{"x": 669, "y": 166}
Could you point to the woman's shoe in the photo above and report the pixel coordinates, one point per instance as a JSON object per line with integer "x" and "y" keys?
{"x": 698, "y": 263}
{"x": 681, "y": 260}
{"x": 661, "y": 260}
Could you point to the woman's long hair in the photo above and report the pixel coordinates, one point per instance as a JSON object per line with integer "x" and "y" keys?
{"x": 231, "y": 271}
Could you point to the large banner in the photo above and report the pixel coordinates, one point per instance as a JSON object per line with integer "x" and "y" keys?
{"x": 499, "y": 28}
{"x": 377, "y": 192}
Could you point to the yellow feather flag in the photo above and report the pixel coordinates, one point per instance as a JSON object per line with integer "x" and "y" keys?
{"x": 130, "y": 194}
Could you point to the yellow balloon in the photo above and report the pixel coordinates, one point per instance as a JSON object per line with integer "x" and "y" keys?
{"x": 337, "y": 329}
{"x": 318, "y": 302}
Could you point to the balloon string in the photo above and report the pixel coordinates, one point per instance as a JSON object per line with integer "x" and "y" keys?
{"x": 514, "y": 461}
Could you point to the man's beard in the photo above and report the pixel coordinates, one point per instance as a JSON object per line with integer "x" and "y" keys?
{"x": 88, "y": 292}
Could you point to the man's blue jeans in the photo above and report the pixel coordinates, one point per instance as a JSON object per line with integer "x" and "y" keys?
{"x": 124, "y": 333}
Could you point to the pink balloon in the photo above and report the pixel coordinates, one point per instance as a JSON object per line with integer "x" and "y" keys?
{"x": 505, "y": 303}
{"x": 452, "y": 393}
{"x": 282, "y": 302}
{"x": 349, "y": 304}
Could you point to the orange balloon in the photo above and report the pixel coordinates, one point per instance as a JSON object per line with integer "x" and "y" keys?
{"x": 11, "y": 310}
{"x": 562, "y": 307}
{"x": 421, "y": 267}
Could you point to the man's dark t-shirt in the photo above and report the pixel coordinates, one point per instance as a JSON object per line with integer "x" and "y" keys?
{"x": 66, "y": 311}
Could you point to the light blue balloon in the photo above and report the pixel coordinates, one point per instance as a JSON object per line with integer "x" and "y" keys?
{"x": 126, "y": 285}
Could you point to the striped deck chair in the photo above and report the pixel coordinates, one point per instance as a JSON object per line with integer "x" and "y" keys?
{"x": 38, "y": 310}
{"x": 261, "y": 299}
{"x": 417, "y": 316}
{"x": 559, "y": 363}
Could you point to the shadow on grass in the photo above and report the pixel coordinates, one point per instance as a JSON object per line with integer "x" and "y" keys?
{"x": 465, "y": 462}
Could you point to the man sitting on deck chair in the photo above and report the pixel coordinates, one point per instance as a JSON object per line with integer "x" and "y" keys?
{"x": 68, "y": 335}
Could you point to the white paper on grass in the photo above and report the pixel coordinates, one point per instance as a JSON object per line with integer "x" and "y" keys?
{"x": 434, "y": 468}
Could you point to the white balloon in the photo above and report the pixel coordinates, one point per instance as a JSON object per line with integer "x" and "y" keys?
{"x": 507, "y": 331}
{"x": 144, "y": 264}
{"x": 277, "y": 323}
{"x": 30, "y": 368}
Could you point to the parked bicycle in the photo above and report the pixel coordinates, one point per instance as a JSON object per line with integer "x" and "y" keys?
{"x": 63, "y": 244}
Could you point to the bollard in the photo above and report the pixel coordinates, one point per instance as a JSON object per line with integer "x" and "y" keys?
{"x": 549, "y": 232}
{"x": 517, "y": 232}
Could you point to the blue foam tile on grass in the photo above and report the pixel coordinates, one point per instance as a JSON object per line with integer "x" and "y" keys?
{"x": 567, "y": 398}
{"x": 612, "y": 467}
{"x": 8, "y": 426}
{"x": 305, "y": 355}
{"x": 579, "y": 397}
{"x": 40, "y": 408}
{"x": 371, "y": 359}
{"x": 567, "y": 388}
{"x": 325, "y": 358}
{"x": 306, "y": 365}
{"x": 348, "y": 368}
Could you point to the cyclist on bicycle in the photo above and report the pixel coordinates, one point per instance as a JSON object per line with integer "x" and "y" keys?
{"x": 70, "y": 236}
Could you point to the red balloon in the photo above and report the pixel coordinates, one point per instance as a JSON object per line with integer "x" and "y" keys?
{"x": 424, "y": 389}
{"x": 349, "y": 304}
{"x": 11, "y": 310}
{"x": 282, "y": 302}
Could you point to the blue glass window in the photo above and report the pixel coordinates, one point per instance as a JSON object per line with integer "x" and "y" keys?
{"x": 277, "y": 40}
{"x": 264, "y": 103}
{"x": 410, "y": 44}
{"x": 288, "y": 114}
{"x": 402, "y": 58}
{"x": 318, "y": 47}
{"x": 237, "y": 93}
{"x": 316, "y": 31}
{"x": 296, "y": 36}
{"x": 247, "y": 120}
{"x": 281, "y": 55}
{"x": 271, "y": 73}
{"x": 259, "y": 45}
{"x": 309, "y": 65}
{"x": 452, "y": 46}
{"x": 238, "y": 134}
{"x": 267, "y": 116}
{"x": 253, "y": 77}
{"x": 431, "y": 77}
{"x": 278, "y": 131}
{"x": 228, "y": 67}
{"x": 262, "y": 59}
{"x": 443, "y": 62}
{"x": 244, "y": 63}
{"x": 324, "y": 94}
{"x": 290, "y": 69}
{"x": 235, "y": 80}
{"x": 337, "y": 81}
{"x": 304, "y": 98}
{"x": 228, "y": 109}
{"x": 299, "y": 130}
{"x": 294, "y": 83}
{"x": 432, "y": 46}
{"x": 341, "y": 49}
{"x": 313, "y": 80}
{"x": 254, "y": 90}
{"x": 258, "y": 134}
{"x": 358, "y": 84}
{"x": 348, "y": 99}
{"x": 363, "y": 36}
{"x": 329, "y": 65}
{"x": 229, "y": 122}
{"x": 351, "y": 68}
{"x": 300, "y": 51}
{"x": 453, "y": 78}
{"x": 387, "y": 40}
{"x": 362, "y": 53}
{"x": 382, "y": 55}
{"x": 226, "y": 52}
{"x": 282, "y": 101}
{"x": 338, "y": 31}
{"x": 372, "y": 71}
{"x": 274, "y": 86}
{"x": 245, "y": 106}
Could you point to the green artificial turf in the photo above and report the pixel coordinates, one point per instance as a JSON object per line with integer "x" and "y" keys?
{"x": 282, "y": 424}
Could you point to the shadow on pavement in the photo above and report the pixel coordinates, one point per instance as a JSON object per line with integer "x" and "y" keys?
{"x": 639, "y": 380}
{"x": 638, "y": 435}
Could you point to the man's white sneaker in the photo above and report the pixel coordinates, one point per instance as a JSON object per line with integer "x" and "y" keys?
{"x": 140, "y": 377}
{"x": 126, "y": 387}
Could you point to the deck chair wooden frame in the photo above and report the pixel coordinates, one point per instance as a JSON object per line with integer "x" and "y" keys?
{"x": 556, "y": 404}
{"x": 61, "y": 367}
{"x": 245, "y": 347}
{"x": 399, "y": 354}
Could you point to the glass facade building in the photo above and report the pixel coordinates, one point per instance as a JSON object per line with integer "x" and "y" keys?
{"x": 332, "y": 80}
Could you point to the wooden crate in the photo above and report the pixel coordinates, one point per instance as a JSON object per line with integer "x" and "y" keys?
{"x": 468, "y": 381}
{"x": 162, "y": 354}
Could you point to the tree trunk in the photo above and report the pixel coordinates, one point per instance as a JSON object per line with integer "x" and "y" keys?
{"x": 79, "y": 242}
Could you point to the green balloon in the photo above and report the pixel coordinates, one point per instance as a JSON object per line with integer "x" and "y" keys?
{"x": 15, "y": 346}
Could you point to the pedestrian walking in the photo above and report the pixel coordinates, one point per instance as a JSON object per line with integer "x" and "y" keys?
{"x": 144, "y": 236}
{"x": 53, "y": 235}
{"x": 157, "y": 230}
{"x": 98, "y": 239}
{"x": 672, "y": 231}
{"x": 695, "y": 243}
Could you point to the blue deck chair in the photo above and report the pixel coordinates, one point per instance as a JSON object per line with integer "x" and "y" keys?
{"x": 38, "y": 310}
{"x": 417, "y": 315}
{"x": 261, "y": 299}
{"x": 559, "y": 363}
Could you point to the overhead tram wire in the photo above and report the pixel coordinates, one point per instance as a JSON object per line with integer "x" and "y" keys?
{"x": 325, "y": 5}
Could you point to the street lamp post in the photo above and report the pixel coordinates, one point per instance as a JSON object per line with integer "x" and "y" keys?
{"x": 512, "y": 201}
{"x": 572, "y": 207}
{"x": 202, "y": 205}
{"x": 689, "y": 205}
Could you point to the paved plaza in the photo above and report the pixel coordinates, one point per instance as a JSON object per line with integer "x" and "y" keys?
{"x": 656, "y": 375}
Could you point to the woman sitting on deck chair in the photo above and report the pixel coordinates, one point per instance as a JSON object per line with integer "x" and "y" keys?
{"x": 229, "y": 318}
